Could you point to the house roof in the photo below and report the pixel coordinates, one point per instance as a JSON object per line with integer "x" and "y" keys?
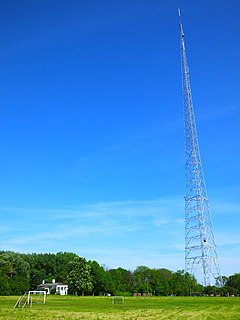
{"x": 50, "y": 284}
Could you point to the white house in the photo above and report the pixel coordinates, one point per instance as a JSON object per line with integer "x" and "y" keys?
{"x": 57, "y": 287}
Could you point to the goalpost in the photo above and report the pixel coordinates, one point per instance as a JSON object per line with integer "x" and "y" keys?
{"x": 117, "y": 299}
{"x": 37, "y": 296}
{"x": 31, "y": 297}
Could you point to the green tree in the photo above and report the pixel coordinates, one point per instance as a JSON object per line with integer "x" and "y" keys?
{"x": 4, "y": 285}
{"x": 141, "y": 278}
{"x": 224, "y": 280}
{"x": 183, "y": 283}
{"x": 159, "y": 281}
{"x": 101, "y": 280}
{"x": 211, "y": 290}
{"x": 47, "y": 266}
{"x": 123, "y": 281}
{"x": 41, "y": 268}
{"x": 61, "y": 262}
{"x": 229, "y": 291}
{"x": 14, "y": 272}
{"x": 234, "y": 282}
{"x": 79, "y": 278}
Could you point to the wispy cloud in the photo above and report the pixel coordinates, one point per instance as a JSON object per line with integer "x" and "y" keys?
{"x": 228, "y": 238}
{"x": 171, "y": 206}
{"x": 164, "y": 222}
{"x": 221, "y": 112}
{"x": 118, "y": 233}
{"x": 226, "y": 208}
{"x": 104, "y": 219}
{"x": 135, "y": 143}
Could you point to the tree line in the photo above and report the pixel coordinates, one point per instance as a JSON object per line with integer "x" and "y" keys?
{"x": 21, "y": 272}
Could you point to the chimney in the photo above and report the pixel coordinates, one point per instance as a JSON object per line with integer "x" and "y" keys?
{"x": 43, "y": 282}
{"x": 53, "y": 280}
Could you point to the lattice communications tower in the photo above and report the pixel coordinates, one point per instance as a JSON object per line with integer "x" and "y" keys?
{"x": 201, "y": 258}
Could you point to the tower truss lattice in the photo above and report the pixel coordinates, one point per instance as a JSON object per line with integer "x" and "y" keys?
{"x": 201, "y": 258}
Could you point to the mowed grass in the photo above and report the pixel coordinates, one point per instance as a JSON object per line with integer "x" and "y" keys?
{"x": 134, "y": 308}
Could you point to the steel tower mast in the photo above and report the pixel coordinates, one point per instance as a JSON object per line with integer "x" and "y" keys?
{"x": 201, "y": 258}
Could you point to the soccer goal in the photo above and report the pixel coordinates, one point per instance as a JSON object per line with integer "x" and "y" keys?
{"x": 31, "y": 297}
{"x": 117, "y": 299}
{"x": 37, "y": 296}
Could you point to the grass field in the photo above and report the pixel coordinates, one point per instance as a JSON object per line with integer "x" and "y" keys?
{"x": 134, "y": 308}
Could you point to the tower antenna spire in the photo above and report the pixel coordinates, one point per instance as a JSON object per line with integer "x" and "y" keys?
{"x": 201, "y": 258}
{"x": 180, "y": 23}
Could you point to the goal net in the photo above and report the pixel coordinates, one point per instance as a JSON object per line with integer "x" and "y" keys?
{"x": 31, "y": 297}
{"x": 117, "y": 299}
{"x": 37, "y": 296}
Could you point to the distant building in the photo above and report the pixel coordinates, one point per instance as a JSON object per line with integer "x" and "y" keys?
{"x": 53, "y": 287}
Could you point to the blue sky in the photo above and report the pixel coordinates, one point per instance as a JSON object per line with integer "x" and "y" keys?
{"x": 91, "y": 127}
